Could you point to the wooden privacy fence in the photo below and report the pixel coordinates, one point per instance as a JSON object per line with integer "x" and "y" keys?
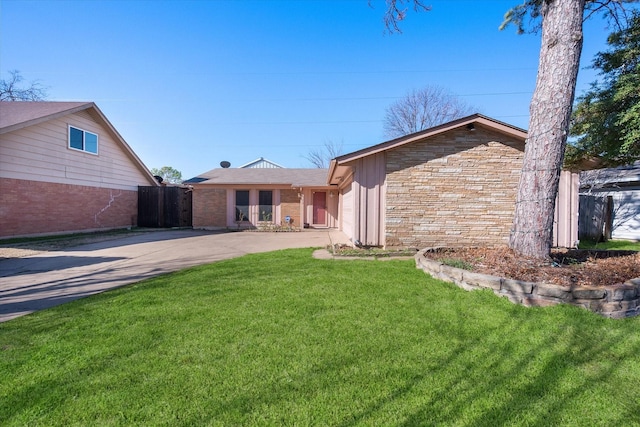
{"x": 565, "y": 223}
{"x": 593, "y": 210}
{"x": 163, "y": 207}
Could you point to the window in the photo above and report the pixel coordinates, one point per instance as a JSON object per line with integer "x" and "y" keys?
{"x": 242, "y": 205}
{"x": 82, "y": 140}
{"x": 265, "y": 200}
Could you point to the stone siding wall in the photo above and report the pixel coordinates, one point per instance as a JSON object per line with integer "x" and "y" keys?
{"x": 290, "y": 206}
{"x": 209, "y": 208}
{"x": 616, "y": 301}
{"x": 35, "y": 207}
{"x": 452, "y": 190}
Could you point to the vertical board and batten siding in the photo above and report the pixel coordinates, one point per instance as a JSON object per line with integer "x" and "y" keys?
{"x": 369, "y": 196}
{"x": 347, "y": 212}
{"x": 565, "y": 223}
{"x": 40, "y": 153}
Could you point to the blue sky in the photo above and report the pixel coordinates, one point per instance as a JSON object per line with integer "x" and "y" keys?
{"x": 191, "y": 83}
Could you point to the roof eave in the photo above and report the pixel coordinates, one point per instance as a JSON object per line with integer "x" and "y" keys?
{"x": 407, "y": 139}
{"x": 27, "y": 123}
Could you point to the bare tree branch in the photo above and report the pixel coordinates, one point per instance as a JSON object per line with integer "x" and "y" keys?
{"x": 396, "y": 12}
{"x": 321, "y": 157}
{"x": 423, "y": 109}
{"x": 10, "y": 89}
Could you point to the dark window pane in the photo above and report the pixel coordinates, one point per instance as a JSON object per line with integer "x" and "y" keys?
{"x": 265, "y": 199}
{"x": 242, "y": 205}
{"x": 75, "y": 138}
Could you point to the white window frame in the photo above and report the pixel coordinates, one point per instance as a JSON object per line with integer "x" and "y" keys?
{"x": 84, "y": 133}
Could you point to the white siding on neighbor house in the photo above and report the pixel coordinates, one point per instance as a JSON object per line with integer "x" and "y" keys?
{"x": 626, "y": 215}
{"x": 41, "y": 153}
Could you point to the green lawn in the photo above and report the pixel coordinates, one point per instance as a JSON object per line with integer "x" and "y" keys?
{"x": 622, "y": 245}
{"x": 284, "y": 339}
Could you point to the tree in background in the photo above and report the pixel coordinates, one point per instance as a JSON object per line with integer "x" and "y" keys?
{"x": 12, "y": 90}
{"x": 321, "y": 157}
{"x": 606, "y": 119}
{"x": 168, "y": 174}
{"x": 560, "y": 23}
{"x": 423, "y": 109}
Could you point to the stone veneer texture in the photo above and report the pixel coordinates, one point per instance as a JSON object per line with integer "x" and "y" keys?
{"x": 453, "y": 190}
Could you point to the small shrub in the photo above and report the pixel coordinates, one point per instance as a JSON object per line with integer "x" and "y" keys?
{"x": 457, "y": 263}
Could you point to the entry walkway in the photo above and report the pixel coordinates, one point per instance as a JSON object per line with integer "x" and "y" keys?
{"x": 52, "y": 278}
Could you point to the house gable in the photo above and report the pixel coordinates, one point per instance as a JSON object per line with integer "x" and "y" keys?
{"x": 34, "y": 146}
{"x": 451, "y": 185}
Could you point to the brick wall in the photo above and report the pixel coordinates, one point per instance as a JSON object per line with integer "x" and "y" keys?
{"x": 209, "y": 207}
{"x": 455, "y": 189}
{"x": 290, "y": 206}
{"x": 34, "y": 207}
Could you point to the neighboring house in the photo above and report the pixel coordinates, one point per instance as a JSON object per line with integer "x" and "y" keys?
{"x": 452, "y": 185}
{"x": 65, "y": 168}
{"x": 610, "y": 203}
{"x": 261, "y": 163}
{"x": 241, "y": 198}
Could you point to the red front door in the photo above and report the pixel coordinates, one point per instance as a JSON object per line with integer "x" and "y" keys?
{"x": 320, "y": 208}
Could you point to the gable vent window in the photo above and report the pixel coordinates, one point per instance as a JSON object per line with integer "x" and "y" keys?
{"x": 83, "y": 140}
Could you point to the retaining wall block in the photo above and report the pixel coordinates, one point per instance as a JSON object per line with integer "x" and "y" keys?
{"x": 430, "y": 266}
{"x": 598, "y": 306}
{"x": 554, "y": 291}
{"x": 626, "y": 292}
{"x": 517, "y": 286}
{"x": 587, "y": 293}
{"x": 539, "y": 302}
{"x": 452, "y": 272}
{"x": 618, "y": 314}
{"x": 469, "y": 287}
{"x": 482, "y": 280}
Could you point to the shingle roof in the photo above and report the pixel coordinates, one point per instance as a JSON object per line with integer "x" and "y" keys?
{"x": 271, "y": 176}
{"x": 18, "y": 114}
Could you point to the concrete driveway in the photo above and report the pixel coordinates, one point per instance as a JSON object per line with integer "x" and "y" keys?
{"x": 51, "y": 278}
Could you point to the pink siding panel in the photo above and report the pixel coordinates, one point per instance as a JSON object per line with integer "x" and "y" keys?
{"x": 565, "y": 230}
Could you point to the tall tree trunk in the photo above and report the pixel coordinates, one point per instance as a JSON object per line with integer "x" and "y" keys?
{"x": 550, "y": 111}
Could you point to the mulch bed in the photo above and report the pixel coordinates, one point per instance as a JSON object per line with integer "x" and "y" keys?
{"x": 568, "y": 267}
